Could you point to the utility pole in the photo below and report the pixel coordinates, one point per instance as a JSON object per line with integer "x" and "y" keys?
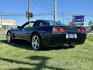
{"x": 28, "y": 13}
{"x": 63, "y": 17}
{"x": 54, "y": 10}
{"x": 28, "y": 10}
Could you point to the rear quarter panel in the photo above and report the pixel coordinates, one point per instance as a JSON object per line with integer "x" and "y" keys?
{"x": 45, "y": 33}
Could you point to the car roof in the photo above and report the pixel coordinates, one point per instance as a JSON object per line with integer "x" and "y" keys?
{"x": 42, "y": 20}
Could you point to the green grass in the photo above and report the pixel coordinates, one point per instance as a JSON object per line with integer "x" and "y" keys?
{"x": 21, "y": 57}
{"x": 90, "y": 37}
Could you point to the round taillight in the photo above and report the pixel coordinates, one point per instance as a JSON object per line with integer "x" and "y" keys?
{"x": 79, "y": 30}
{"x": 62, "y": 30}
{"x": 55, "y": 29}
{"x": 83, "y": 30}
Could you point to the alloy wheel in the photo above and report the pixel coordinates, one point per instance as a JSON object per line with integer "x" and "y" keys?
{"x": 8, "y": 37}
{"x": 35, "y": 42}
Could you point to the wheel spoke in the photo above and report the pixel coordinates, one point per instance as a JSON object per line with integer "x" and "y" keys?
{"x": 36, "y": 46}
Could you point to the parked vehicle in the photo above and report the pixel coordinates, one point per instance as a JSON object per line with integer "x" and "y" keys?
{"x": 41, "y": 33}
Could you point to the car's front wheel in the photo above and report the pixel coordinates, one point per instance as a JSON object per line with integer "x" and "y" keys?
{"x": 9, "y": 37}
{"x": 36, "y": 42}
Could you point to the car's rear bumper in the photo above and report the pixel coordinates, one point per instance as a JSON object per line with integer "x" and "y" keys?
{"x": 60, "y": 39}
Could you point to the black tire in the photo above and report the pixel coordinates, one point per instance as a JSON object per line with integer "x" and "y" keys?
{"x": 9, "y": 37}
{"x": 36, "y": 42}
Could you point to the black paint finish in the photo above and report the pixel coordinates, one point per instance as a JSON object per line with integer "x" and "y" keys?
{"x": 45, "y": 31}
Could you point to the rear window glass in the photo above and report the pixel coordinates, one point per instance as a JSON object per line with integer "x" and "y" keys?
{"x": 57, "y": 23}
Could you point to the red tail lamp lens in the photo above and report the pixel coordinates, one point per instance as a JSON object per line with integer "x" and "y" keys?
{"x": 55, "y": 29}
{"x": 83, "y": 30}
{"x": 62, "y": 30}
{"x": 79, "y": 30}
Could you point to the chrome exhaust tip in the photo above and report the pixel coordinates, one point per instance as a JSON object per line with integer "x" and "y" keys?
{"x": 66, "y": 45}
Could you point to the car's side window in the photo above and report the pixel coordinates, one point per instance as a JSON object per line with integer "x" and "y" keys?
{"x": 29, "y": 25}
{"x": 26, "y": 26}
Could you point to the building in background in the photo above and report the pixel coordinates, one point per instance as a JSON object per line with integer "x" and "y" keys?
{"x": 7, "y": 24}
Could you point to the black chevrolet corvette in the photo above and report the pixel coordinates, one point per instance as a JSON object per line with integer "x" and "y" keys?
{"x": 41, "y": 33}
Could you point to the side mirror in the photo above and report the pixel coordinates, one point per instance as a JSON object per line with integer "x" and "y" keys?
{"x": 18, "y": 27}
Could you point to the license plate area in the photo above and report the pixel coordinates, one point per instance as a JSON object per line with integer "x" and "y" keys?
{"x": 72, "y": 36}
